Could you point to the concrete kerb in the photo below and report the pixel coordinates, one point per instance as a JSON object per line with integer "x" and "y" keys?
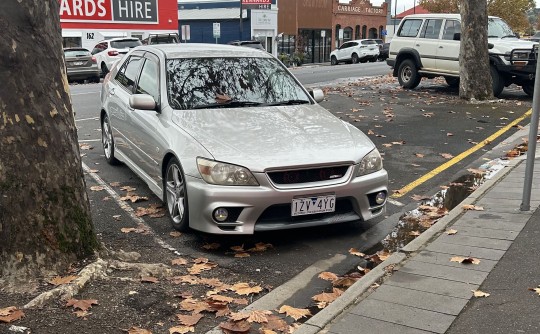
{"x": 360, "y": 289}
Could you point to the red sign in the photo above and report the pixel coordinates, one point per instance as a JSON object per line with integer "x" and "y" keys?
{"x": 256, "y": 2}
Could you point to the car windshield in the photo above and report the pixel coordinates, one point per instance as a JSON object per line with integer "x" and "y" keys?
{"x": 195, "y": 83}
{"x": 77, "y": 53}
{"x": 125, "y": 43}
{"x": 368, "y": 42}
{"x": 497, "y": 28}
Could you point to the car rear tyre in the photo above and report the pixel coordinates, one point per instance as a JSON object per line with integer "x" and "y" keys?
{"x": 372, "y": 60}
{"x": 175, "y": 195}
{"x": 498, "y": 82}
{"x": 528, "y": 89}
{"x": 354, "y": 58}
{"x": 107, "y": 141}
{"x": 333, "y": 60}
{"x": 95, "y": 79}
{"x": 452, "y": 81}
{"x": 408, "y": 76}
{"x": 104, "y": 70}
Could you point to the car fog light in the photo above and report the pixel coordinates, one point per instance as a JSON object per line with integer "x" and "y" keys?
{"x": 221, "y": 214}
{"x": 380, "y": 198}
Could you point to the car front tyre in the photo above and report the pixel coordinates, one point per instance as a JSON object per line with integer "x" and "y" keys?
{"x": 354, "y": 58}
{"x": 175, "y": 195}
{"x": 107, "y": 141}
{"x": 333, "y": 60}
{"x": 498, "y": 82}
{"x": 408, "y": 76}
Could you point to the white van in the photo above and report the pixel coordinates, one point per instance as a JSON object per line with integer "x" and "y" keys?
{"x": 427, "y": 45}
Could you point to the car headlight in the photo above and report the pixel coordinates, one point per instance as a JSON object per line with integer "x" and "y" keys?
{"x": 224, "y": 174}
{"x": 371, "y": 163}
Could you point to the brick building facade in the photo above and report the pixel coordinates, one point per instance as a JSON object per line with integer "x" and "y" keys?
{"x": 312, "y": 27}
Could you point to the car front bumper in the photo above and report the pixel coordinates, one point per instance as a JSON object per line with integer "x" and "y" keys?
{"x": 267, "y": 208}
{"x": 83, "y": 73}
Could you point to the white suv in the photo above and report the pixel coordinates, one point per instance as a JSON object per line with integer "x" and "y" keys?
{"x": 427, "y": 45}
{"x": 360, "y": 50}
{"x": 109, "y": 51}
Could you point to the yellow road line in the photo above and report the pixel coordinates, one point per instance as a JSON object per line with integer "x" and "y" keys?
{"x": 458, "y": 158}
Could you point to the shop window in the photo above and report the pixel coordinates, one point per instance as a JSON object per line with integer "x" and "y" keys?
{"x": 373, "y": 33}
{"x": 357, "y": 32}
{"x": 364, "y": 31}
{"x": 71, "y": 42}
{"x": 347, "y": 34}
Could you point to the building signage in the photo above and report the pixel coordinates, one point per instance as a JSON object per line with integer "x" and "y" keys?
{"x": 216, "y": 30}
{"x": 109, "y": 11}
{"x": 257, "y": 4}
{"x": 363, "y": 10}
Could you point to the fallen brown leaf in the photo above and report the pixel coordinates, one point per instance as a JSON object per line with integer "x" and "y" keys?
{"x": 537, "y": 290}
{"x": 138, "y": 330}
{"x": 451, "y": 232}
{"x": 10, "y": 314}
{"x": 328, "y": 276}
{"x": 189, "y": 320}
{"x": 133, "y": 198}
{"x": 82, "y": 314}
{"x": 149, "y": 279}
{"x": 260, "y": 247}
{"x": 97, "y": 188}
{"x": 356, "y": 252}
{"x": 128, "y": 188}
{"x": 238, "y": 248}
{"x": 295, "y": 313}
{"x": 478, "y": 293}
{"x": 472, "y": 207}
{"x": 245, "y": 289}
{"x": 175, "y": 234}
{"x": 446, "y": 155}
{"x": 181, "y": 329}
{"x": 83, "y": 304}
{"x": 212, "y": 246}
{"x": 419, "y": 155}
{"x": 242, "y": 254}
{"x": 200, "y": 267}
{"x": 236, "y": 326}
{"x": 179, "y": 262}
{"x": 62, "y": 280}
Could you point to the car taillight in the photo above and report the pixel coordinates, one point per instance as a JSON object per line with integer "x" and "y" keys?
{"x": 93, "y": 59}
{"x": 112, "y": 53}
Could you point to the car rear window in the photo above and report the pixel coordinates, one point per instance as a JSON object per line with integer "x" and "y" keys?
{"x": 368, "y": 42}
{"x": 125, "y": 43}
{"x": 77, "y": 53}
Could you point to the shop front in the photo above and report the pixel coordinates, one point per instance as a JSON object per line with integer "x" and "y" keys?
{"x": 86, "y": 22}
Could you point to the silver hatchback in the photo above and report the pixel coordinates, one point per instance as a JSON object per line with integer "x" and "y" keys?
{"x": 233, "y": 143}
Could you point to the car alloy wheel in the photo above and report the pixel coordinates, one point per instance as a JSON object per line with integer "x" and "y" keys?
{"x": 107, "y": 141}
{"x": 176, "y": 195}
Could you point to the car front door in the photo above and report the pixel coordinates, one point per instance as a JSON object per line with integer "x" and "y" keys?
{"x": 448, "y": 50}
{"x": 427, "y": 43}
{"x": 343, "y": 51}
{"x": 146, "y": 123}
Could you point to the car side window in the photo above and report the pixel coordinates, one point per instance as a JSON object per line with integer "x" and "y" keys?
{"x": 431, "y": 29}
{"x": 344, "y": 46}
{"x": 149, "y": 80}
{"x": 127, "y": 75}
{"x": 410, "y": 28}
{"x": 451, "y": 27}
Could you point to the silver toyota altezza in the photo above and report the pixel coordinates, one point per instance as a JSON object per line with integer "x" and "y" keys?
{"x": 233, "y": 143}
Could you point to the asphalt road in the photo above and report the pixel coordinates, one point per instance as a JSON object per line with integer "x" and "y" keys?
{"x": 429, "y": 121}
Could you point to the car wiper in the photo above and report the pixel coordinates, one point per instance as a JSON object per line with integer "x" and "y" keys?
{"x": 288, "y": 102}
{"x": 493, "y": 36}
{"x": 508, "y": 36}
{"x": 228, "y": 104}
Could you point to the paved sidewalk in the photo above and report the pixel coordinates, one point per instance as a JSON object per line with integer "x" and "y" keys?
{"x": 427, "y": 293}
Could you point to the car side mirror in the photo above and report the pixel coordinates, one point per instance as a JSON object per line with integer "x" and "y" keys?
{"x": 457, "y": 36}
{"x": 491, "y": 46}
{"x": 142, "y": 102}
{"x": 517, "y": 35}
{"x": 317, "y": 94}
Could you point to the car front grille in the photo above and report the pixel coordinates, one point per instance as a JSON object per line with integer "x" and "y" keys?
{"x": 308, "y": 175}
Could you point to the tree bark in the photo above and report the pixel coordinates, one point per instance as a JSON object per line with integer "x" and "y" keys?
{"x": 474, "y": 73}
{"x": 45, "y": 221}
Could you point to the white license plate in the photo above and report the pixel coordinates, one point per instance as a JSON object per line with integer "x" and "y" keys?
{"x": 313, "y": 205}
{"x": 78, "y": 63}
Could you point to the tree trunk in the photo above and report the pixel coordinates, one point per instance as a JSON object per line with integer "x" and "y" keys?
{"x": 474, "y": 73}
{"x": 45, "y": 221}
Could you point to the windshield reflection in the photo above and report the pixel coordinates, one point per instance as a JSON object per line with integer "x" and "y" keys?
{"x": 198, "y": 82}
{"x": 498, "y": 28}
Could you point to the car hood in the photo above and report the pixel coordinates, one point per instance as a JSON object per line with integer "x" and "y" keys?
{"x": 279, "y": 136}
{"x": 508, "y": 44}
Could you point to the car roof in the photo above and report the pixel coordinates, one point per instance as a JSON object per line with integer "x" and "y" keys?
{"x": 441, "y": 16}
{"x": 201, "y": 50}
{"x": 119, "y": 39}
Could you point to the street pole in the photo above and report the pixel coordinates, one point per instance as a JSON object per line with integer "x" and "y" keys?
{"x": 531, "y": 149}
{"x": 395, "y": 14}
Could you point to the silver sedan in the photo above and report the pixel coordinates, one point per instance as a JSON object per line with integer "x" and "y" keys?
{"x": 232, "y": 143}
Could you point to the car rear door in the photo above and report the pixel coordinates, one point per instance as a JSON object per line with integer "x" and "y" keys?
{"x": 427, "y": 43}
{"x": 122, "y": 87}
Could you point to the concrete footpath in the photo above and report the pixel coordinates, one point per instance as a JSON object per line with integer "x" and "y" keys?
{"x": 422, "y": 291}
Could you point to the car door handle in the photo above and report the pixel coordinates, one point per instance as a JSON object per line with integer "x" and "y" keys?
{"x": 417, "y": 44}
{"x": 441, "y": 47}
{"x": 111, "y": 91}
